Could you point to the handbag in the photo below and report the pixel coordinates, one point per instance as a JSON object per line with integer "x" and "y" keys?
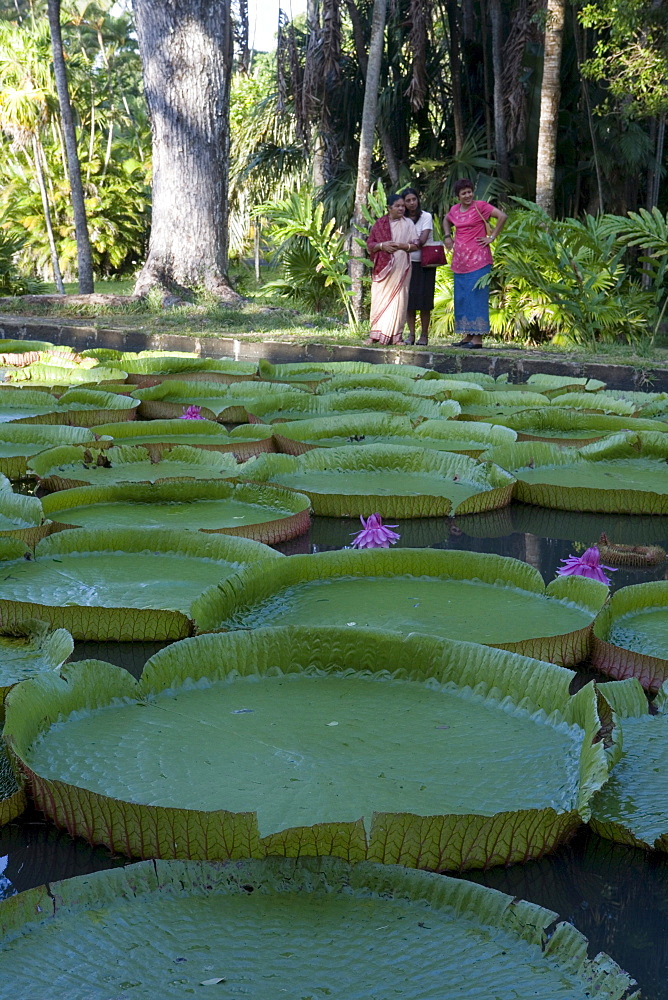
{"x": 433, "y": 255}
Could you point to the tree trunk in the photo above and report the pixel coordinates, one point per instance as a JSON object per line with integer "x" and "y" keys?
{"x": 84, "y": 257}
{"x": 500, "y": 143}
{"x": 186, "y": 51}
{"x": 455, "y": 74}
{"x": 367, "y": 136}
{"x": 550, "y": 93}
{"x": 39, "y": 171}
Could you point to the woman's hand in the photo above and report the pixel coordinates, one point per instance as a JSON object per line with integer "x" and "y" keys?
{"x": 485, "y": 241}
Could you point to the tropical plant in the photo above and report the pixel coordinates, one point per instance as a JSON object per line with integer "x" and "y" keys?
{"x": 311, "y": 249}
{"x": 12, "y": 281}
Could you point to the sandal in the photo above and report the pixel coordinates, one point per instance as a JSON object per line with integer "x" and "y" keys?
{"x": 461, "y": 343}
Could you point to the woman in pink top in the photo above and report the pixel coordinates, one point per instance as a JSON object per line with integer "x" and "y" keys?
{"x": 471, "y": 260}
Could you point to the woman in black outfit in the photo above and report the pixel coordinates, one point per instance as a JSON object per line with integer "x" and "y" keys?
{"x": 421, "y": 291}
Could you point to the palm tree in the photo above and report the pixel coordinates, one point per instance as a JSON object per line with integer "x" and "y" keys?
{"x": 27, "y": 106}
{"x": 367, "y": 137}
{"x": 549, "y": 105}
{"x": 84, "y": 257}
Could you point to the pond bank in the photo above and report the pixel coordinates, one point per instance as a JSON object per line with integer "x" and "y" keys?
{"x": 517, "y": 363}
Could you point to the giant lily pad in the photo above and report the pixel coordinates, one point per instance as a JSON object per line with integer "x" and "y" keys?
{"x": 392, "y": 480}
{"x": 299, "y": 436}
{"x": 300, "y": 406}
{"x": 289, "y": 741}
{"x": 631, "y": 635}
{"x": 625, "y": 473}
{"x": 69, "y": 466}
{"x": 124, "y": 585}
{"x": 52, "y": 375}
{"x": 632, "y": 807}
{"x": 456, "y": 595}
{"x": 320, "y": 370}
{"x": 313, "y": 927}
{"x": 22, "y": 517}
{"x": 30, "y": 649}
{"x": 570, "y": 427}
{"x": 595, "y": 402}
{"x": 79, "y": 407}
{"x": 153, "y": 370}
{"x": 19, "y": 442}
{"x": 266, "y": 513}
{"x": 225, "y": 403}
{"x": 244, "y": 441}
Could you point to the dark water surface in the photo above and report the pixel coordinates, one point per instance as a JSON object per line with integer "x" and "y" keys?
{"x": 617, "y": 896}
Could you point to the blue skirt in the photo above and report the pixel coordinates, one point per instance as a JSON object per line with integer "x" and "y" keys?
{"x": 471, "y": 304}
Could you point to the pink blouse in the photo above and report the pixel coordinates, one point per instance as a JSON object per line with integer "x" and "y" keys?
{"x": 468, "y": 255}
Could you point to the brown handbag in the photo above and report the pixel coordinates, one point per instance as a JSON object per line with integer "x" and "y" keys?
{"x": 433, "y": 255}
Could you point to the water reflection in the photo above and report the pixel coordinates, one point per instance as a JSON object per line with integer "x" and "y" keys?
{"x": 540, "y": 537}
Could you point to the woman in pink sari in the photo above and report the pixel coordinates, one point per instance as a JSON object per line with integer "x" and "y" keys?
{"x": 390, "y": 243}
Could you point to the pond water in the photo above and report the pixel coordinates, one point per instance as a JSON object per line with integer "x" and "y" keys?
{"x": 617, "y": 896}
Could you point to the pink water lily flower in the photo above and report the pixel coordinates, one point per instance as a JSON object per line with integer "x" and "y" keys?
{"x": 192, "y": 413}
{"x": 375, "y": 534}
{"x": 588, "y": 564}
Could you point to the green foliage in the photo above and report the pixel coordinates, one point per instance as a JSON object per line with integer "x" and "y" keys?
{"x": 571, "y": 278}
{"x": 12, "y": 281}
{"x": 312, "y": 251}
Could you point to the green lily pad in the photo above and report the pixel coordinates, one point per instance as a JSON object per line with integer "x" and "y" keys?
{"x": 301, "y": 406}
{"x": 632, "y": 808}
{"x": 244, "y": 441}
{"x": 224, "y": 403}
{"x": 53, "y": 376}
{"x": 624, "y": 473}
{"x": 9, "y": 346}
{"x": 12, "y": 796}
{"x": 299, "y": 436}
{"x": 303, "y": 741}
{"x": 22, "y": 517}
{"x": 630, "y": 636}
{"x": 124, "y": 585}
{"x": 153, "y": 370}
{"x": 19, "y": 442}
{"x": 455, "y": 595}
{"x": 70, "y": 466}
{"x": 79, "y": 407}
{"x": 303, "y": 927}
{"x": 391, "y": 480}
{"x": 30, "y": 649}
{"x": 595, "y": 402}
{"x": 570, "y": 427}
{"x": 265, "y": 513}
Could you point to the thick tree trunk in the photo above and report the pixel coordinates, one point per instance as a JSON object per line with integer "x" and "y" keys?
{"x": 550, "y": 93}
{"x": 186, "y": 51}
{"x": 367, "y": 136}
{"x": 500, "y": 142}
{"x": 84, "y": 257}
{"x": 39, "y": 171}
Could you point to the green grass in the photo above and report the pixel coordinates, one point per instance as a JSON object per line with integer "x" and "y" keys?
{"x": 259, "y": 320}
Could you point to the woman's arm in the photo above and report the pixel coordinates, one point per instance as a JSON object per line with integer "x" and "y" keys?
{"x": 423, "y": 237}
{"x": 447, "y": 233}
{"x": 501, "y": 219}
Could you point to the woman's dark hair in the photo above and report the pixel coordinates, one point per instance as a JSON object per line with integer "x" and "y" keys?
{"x": 419, "y": 204}
{"x": 391, "y": 198}
{"x": 462, "y": 185}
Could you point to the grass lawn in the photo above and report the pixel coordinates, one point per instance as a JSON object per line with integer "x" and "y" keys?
{"x": 258, "y": 320}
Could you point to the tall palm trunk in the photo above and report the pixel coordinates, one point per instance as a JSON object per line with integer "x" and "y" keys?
{"x": 84, "y": 257}
{"x": 455, "y": 73}
{"x": 500, "y": 141}
{"x": 41, "y": 183}
{"x": 550, "y": 93}
{"x": 367, "y": 136}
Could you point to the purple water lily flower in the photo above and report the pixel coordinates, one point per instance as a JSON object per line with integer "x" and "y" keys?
{"x": 375, "y": 534}
{"x": 192, "y": 413}
{"x": 588, "y": 564}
